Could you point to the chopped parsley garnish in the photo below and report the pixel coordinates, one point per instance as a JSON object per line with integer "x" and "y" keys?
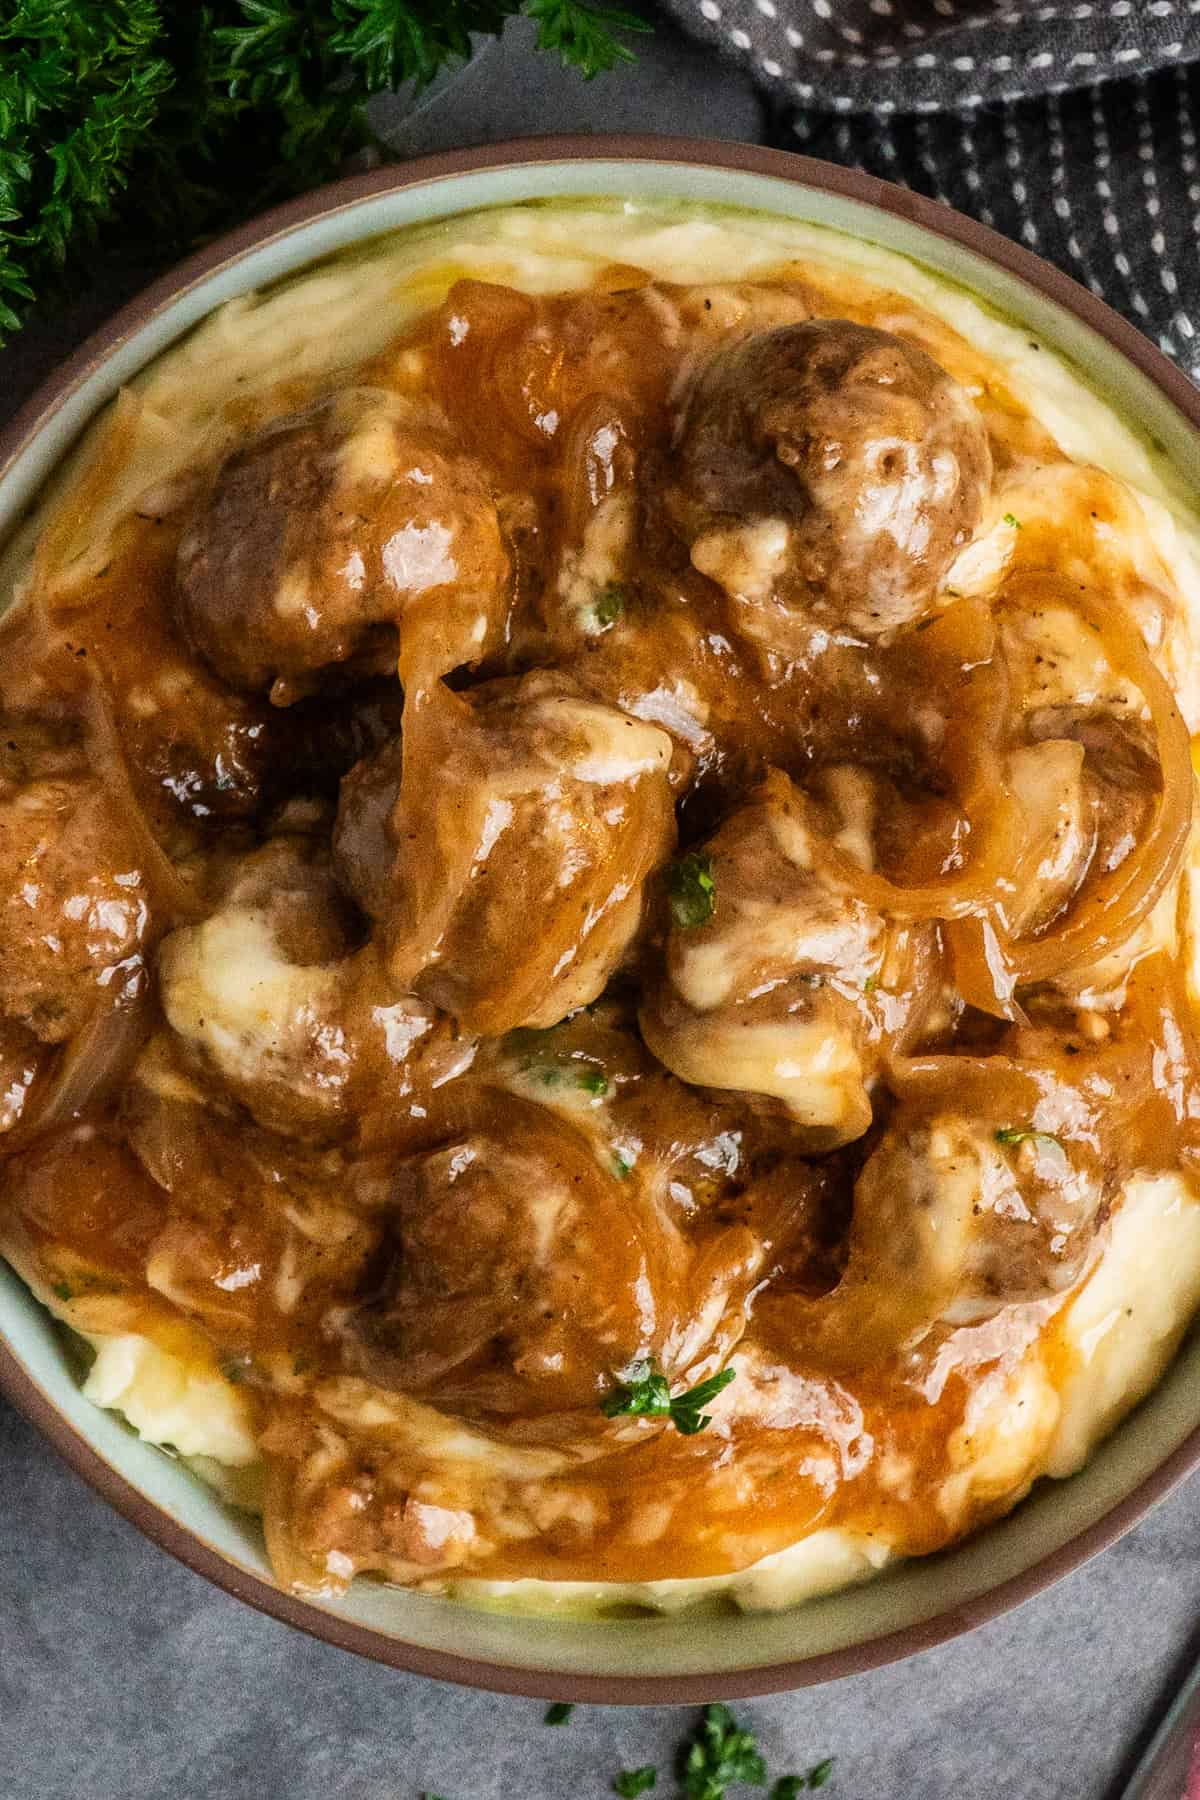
{"x": 646, "y": 1394}
{"x": 788, "y": 1786}
{"x": 1012, "y": 519}
{"x": 622, "y": 1167}
{"x": 632, "y": 1782}
{"x": 719, "y": 1755}
{"x": 692, "y": 891}
{"x": 1009, "y": 1136}
{"x": 608, "y": 606}
{"x": 552, "y": 1075}
{"x": 559, "y": 1713}
{"x": 870, "y": 984}
{"x": 63, "y": 1290}
{"x": 687, "y": 1414}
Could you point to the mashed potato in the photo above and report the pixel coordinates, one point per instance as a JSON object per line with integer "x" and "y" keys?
{"x": 1115, "y": 1335}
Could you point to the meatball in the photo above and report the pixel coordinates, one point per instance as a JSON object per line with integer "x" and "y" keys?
{"x": 364, "y": 846}
{"x": 779, "y": 982}
{"x": 274, "y": 996}
{"x": 827, "y": 472}
{"x": 74, "y": 902}
{"x": 336, "y": 535}
{"x": 515, "y": 854}
{"x": 259, "y": 1235}
{"x": 957, "y": 1218}
{"x": 194, "y": 751}
{"x": 521, "y": 1276}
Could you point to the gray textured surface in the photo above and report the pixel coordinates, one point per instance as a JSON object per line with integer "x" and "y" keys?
{"x": 125, "y": 1677}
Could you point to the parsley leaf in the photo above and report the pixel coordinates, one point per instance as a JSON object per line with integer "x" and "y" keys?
{"x": 63, "y": 1290}
{"x": 544, "y": 1057}
{"x": 608, "y": 606}
{"x": 789, "y": 1786}
{"x": 687, "y": 1415}
{"x": 584, "y": 35}
{"x": 558, "y": 1714}
{"x": 692, "y": 891}
{"x": 1012, "y": 519}
{"x": 632, "y": 1782}
{"x": 622, "y": 1168}
{"x": 645, "y": 1394}
{"x": 720, "y": 1754}
{"x": 1008, "y": 1136}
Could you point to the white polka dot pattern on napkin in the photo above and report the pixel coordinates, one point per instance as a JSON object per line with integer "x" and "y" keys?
{"x": 1071, "y": 127}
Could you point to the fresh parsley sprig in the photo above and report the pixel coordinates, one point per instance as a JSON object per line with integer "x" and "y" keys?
{"x": 646, "y": 1394}
{"x": 171, "y": 119}
{"x": 585, "y": 36}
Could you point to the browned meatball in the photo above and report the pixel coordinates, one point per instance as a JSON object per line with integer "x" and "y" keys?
{"x": 363, "y": 845}
{"x": 260, "y": 1235}
{"x": 273, "y": 997}
{"x": 830, "y": 471}
{"x": 780, "y": 982}
{"x": 333, "y": 532}
{"x": 505, "y": 863}
{"x": 74, "y": 905}
{"x": 522, "y": 1275}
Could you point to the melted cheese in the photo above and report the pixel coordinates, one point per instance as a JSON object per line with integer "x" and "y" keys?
{"x": 1125, "y": 1323}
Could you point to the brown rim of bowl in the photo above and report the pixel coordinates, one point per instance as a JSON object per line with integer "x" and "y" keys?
{"x": 15, "y": 1381}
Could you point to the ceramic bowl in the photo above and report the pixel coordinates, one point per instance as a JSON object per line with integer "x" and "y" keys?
{"x": 696, "y": 1656}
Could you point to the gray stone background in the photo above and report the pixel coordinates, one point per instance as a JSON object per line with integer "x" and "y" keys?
{"x": 125, "y": 1677}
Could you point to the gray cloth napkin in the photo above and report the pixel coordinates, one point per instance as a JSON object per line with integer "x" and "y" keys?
{"x": 1071, "y": 127}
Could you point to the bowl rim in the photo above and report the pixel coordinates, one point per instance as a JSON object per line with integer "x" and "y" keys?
{"x": 16, "y": 1382}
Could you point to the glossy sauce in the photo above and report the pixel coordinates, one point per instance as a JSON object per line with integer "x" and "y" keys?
{"x": 429, "y": 1212}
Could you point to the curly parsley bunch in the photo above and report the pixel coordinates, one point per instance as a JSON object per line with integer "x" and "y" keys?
{"x": 170, "y": 119}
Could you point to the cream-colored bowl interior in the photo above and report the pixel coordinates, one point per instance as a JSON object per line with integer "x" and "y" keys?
{"x": 695, "y": 1643}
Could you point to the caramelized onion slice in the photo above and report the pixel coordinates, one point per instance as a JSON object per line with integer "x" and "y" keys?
{"x": 296, "y": 1571}
{"x": 1110, "y": 909}
{"x": 76, "y": 541}
{"x": 91, "y": 1069}
{"x": 962, "y": 646}
{"x": 174, "y": 901}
